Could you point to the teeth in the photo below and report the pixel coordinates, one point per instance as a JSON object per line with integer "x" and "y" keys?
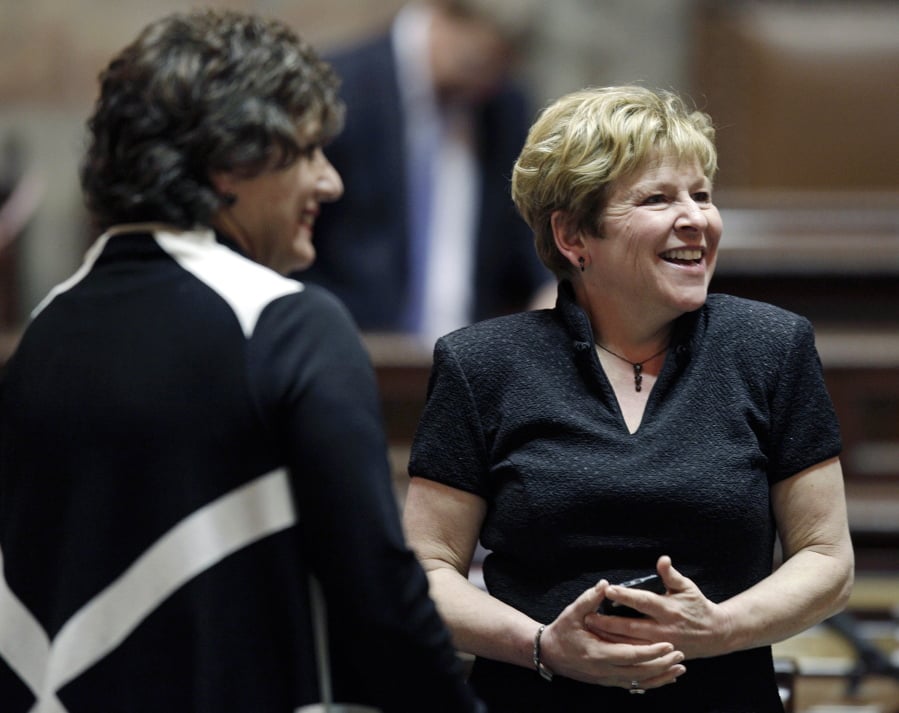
{"x": 683, "y": 254}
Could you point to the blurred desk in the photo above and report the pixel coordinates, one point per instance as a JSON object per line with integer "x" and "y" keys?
{"x": 832, "y": 257}
{"x": 402, "y": 367}
{"x": 826, "y": 234}
{"x": 861, "y": 368}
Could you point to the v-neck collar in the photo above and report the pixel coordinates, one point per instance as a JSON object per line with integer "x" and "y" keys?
{"x": 683, "y": 335}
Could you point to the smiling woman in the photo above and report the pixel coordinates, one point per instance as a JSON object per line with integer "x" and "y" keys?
{"x": 666, "y": 232}
{"x": 641, "y": 426}
{"x": 272, "y": 215}
{"x": 189, "y": 439}
{"x": 219, "y": 106}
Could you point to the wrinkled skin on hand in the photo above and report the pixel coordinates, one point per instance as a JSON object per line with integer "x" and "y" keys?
{"x": 569, "y": 647}
{"x": 682, "y": 616}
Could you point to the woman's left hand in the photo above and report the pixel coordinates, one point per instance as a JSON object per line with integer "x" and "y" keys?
{"x": 682, "y": 616}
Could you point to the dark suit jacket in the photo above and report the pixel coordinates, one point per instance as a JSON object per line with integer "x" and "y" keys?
{"x": 362, "y": 240}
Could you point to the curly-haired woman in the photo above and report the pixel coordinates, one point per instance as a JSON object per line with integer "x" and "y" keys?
{"x": 186, "y": 435}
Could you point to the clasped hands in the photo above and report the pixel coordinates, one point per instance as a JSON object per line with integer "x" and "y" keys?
{"x": 619, "y": 651}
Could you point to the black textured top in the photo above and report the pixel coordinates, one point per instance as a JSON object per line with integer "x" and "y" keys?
{"x": 520, "y": 412}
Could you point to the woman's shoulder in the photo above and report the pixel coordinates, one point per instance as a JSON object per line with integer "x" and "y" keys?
{"x": 309, "y": 316}
{"x": 753, "y": 327}
{"x": 731, "y": 311}
{"x": 519, "y": 331}
{"x": 518, "y": 343}
{"x": 312, "y": 304}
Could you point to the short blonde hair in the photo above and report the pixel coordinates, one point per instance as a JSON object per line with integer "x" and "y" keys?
{"x": 586, "y": 140}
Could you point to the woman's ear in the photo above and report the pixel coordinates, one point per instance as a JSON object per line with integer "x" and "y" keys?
{"x": 222, "y": 182}
{"x": 569, "y": 240}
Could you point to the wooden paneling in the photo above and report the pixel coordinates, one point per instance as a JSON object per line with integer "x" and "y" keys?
{"x": 803, "y": 93}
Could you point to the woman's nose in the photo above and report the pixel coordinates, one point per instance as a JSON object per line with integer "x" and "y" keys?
{"x": 692, "y": 216}
{"x": 330, "y": 185}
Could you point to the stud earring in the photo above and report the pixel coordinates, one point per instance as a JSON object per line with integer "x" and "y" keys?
{"x": 580, "y": 262}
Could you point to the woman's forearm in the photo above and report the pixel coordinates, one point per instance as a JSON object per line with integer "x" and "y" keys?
{"x": 806, "y": 589}
{"x": 481, "y": 624}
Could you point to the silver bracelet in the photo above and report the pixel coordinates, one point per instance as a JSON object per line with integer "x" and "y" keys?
{"x": 544, "y": 672}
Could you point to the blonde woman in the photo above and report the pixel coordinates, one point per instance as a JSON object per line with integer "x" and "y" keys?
{"x": 641, "y": 427}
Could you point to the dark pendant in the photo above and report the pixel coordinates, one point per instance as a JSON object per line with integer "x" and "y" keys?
{"x": 638, "y": 377}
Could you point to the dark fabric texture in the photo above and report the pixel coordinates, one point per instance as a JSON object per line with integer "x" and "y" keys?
{"x": 520, "y": 412}
{"x": 135, "y": 399}
{"x": 362, "y": 240}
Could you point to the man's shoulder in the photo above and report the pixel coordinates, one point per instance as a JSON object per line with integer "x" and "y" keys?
{"x": 361, "y": 60}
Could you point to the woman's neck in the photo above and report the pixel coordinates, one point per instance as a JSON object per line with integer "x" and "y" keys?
{"x": 633, "y": 334}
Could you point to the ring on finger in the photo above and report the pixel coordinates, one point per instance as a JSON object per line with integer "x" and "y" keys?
{"x": 635, "y": 688}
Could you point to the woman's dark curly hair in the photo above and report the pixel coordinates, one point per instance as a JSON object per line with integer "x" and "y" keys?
{"x": 195, "y": 94}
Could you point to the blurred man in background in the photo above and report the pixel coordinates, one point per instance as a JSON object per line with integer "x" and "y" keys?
{"x": 426, "y": 238}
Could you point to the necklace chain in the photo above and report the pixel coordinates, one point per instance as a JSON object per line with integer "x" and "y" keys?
{"x": 637, "y": 365}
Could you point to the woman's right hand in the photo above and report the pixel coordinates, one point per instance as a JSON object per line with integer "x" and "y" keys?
{"x": 569, "y": 649}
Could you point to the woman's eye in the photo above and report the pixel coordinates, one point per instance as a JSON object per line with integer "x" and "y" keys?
{"x": 309, "y": 151}
{"x": 655, "y": 199}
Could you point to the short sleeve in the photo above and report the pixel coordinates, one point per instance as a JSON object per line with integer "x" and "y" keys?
{"x": 449, "y": 445}
{"x": 804, "y": 425}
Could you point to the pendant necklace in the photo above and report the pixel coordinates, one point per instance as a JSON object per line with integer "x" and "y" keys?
{"x": 637, "y": 366}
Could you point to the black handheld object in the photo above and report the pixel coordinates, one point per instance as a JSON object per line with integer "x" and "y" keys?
{"x": 650, "y": 583}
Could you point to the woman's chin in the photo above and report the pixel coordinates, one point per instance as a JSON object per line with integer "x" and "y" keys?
{"x": 691, "y": 300}
{"x": 302, "y": 257}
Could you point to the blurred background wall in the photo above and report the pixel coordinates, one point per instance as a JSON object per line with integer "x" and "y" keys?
{"x": 805, "y": 94}
{"x": 51, "y": 52}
